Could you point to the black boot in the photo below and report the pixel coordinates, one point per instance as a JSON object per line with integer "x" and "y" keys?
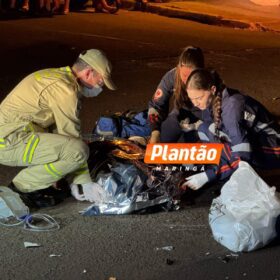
{"x": 40, "y": 199}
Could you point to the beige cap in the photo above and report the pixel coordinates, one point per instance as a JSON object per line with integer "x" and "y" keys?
{"x": 99, "y": 62}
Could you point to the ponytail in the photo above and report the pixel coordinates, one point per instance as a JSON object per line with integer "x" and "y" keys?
{"x": 191, "y": 57}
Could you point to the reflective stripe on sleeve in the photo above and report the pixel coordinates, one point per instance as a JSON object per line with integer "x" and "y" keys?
{"x": 2, "y": 143}
{"x": 82, "y": 170}
{"x": 243, "y": 147}
{"x": 202, "y": 136}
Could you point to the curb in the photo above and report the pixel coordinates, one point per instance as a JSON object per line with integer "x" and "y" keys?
{"x": 193, "y": 16}
{"x": 198, "y": 17}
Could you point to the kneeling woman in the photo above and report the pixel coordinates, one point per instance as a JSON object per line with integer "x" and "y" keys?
{"x": 241, "y": 123}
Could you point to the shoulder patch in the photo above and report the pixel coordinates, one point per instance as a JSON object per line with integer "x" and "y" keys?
{"x": 158, "y": 94}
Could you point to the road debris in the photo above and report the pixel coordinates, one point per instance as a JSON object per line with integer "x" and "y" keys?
{"x": 228, "y": 258}
{"x": 232, "y": 255}
{"x": 31, "y": 245}
{"x": 54, "y": 255}
{"x": 165, "y": 248}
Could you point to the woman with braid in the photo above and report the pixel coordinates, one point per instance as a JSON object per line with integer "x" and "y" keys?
{"x": 241, "y": 123}
{"x": 166, "y": 128}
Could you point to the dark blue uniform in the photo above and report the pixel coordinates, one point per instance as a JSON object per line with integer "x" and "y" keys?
{"x": 169, "y": 124}
{"x": 249, "y": 131}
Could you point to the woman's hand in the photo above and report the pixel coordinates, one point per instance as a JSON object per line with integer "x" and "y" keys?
{"x": 196, "y": 181}
{"x": 155, "y": 137}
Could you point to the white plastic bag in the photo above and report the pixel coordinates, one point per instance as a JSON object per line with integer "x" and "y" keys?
{"x": 243, "y": 217}
{"x": 11, "y": 204}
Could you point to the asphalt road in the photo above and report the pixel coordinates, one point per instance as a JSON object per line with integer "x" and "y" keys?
{"x": 142, "y": 48}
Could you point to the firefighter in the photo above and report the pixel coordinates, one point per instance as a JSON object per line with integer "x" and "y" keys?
{"x": 242, "y": 124}
{"x": 44, "y": 102}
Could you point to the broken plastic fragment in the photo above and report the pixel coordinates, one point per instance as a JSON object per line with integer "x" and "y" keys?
{"x": 54, "y": 255}
{"x": 232, "y": 255}
{"x": 165, "y": 248}
{"x": 31, "y": 245}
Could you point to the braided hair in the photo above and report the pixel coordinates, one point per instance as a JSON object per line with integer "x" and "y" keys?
{"x": 203, "y": 79}
{"x": 191, "y": 57}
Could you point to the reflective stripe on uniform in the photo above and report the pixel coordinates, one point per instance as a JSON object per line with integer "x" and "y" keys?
{"x": 202, "y": 136}
{"x": 228, "y": 167}
{"x": 52, "y": 72}
{"x": 52, "y": 170}
{"x": 30, "y": 148}
{"x": 242, "y": 147}
{"x": 38, "y": 77}
{"x": 2, "y": 143}
{"x": 67, "y": 69}
{"x": 264, "y": 127}
{"x": 82, "y": 170}
{"x": 271, "y": 150}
